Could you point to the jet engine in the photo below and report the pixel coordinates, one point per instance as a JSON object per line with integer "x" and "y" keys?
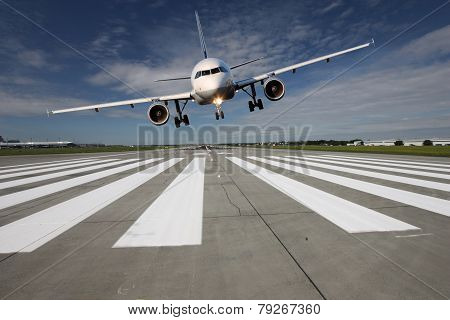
{"x": 158, "y": 114}
{"x": 274, "y": 89}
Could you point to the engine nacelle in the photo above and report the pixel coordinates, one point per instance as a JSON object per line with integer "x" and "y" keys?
{"x": 158, "y": 114}
{"x": 274, "y": 89}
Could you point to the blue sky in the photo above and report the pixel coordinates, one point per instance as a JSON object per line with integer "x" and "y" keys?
{"x": 401, "y": 91}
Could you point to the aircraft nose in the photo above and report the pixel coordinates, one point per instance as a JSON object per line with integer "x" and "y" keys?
{"x": 214, "y": 83}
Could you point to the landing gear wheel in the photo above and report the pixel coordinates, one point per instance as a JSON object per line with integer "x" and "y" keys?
{"x": 260, "y": 104}
{"x": 177, "y": 122}
{"x": 217, "y": 116}
{"x": 186, "y": 120}
{"x": 221, "y": 114}
{"x": 251, "y": 106}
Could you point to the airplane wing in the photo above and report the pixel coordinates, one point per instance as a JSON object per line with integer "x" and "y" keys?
{"x": 97, "y": 107}
{"x": 243, "y": 83}
{"x": 173, "y": 79}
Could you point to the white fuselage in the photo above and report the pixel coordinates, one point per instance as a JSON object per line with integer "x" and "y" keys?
{"x": 212, "y": 82}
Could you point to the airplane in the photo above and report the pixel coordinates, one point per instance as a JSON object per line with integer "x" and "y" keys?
{"x": 213, "y": 83}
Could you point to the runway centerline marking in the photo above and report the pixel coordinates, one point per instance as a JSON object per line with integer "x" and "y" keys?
{"x": 175, "y": 217}
{"x": 29, "y": 233}
{"x": 349, "y": 216}
{"x": 19, "y": 182}
{"x": 379, "y": 165}
{"x": 378, "y": 175}
{"x": 421, "y": 201}
{"x": 38, "y": 192}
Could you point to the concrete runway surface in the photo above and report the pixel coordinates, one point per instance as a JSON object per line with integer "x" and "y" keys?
{"x": 204, "y": 223}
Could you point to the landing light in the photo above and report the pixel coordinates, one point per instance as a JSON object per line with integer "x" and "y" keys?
{"x": 218, "y": 101}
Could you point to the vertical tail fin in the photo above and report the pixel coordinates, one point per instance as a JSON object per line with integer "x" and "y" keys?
{"x": 200, "y": 34}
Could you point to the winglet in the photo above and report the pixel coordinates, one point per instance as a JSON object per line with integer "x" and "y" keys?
{"x": 373, "y": 42}
{"x": 48, "y": 113}
{"x": 200, "y": 34}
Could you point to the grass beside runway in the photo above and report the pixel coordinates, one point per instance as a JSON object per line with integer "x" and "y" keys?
{"x": 434, "y": 151}
{"x": 69, "y": 150}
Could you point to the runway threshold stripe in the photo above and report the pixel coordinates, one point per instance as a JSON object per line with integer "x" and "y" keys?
{"x": 29, "y": 233}
{"x": 19, "y": 182}
{"x": 375, "y": 165}
{"x": 54, "y": 163}
{"x": 378, "y": 175}
{"x": 349, "y": 216}
{"x": 421, "y": 201}
{"x": 24, "y": 170}
{"x": 382, "y": 168}
{"x": 76, "y": 165}
{"x": 175, "y": 217}
{"x": 15, "y": 198}
{"x": 432, "y": 164}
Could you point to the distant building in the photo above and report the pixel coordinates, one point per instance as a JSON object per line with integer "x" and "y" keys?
{"x": 434, "y": 141}
{"x": 380, "y": 143}
{"x": 1, "y": 139}
{"x": 441, "y": 141}
{"x": 413, "y": 142}
{"x": 47, "y": 144}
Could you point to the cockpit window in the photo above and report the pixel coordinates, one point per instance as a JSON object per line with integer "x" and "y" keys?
{"x": 208, "y": 72}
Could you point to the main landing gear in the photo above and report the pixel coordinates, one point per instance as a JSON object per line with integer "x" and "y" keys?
{"x": 252, "y": 104}
{"x": 181, "y": 118}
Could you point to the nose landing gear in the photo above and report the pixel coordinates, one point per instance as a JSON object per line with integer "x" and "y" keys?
{"x": 219, "y": 112}
{"x": 181, "y": 118}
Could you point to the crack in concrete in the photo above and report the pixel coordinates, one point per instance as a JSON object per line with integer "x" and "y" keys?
{"x": 229, "y": 200}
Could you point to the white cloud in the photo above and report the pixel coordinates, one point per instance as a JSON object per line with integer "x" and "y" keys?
{"x": 29, "y": 104}
{"x": 34, "y": 58}
{"x": 333, "y": 5}
{"x": 401, "y": 98}
{"x": 431, "y": 45}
